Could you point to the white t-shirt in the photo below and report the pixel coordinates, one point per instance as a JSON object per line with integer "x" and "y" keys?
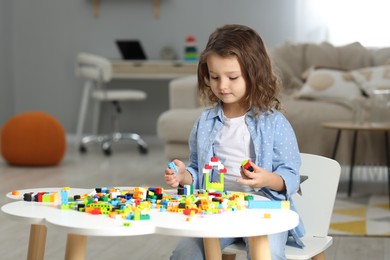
{"x": 232, "y": 146}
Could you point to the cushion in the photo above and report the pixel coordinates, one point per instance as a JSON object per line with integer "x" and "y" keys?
{"x": 287, "y": 61}
{"x": 329, "y": 84}
{"x": 371, "y": 78}
{"x": 324, "y": 54}
{"x": 33, "y": 139}
{"x": 289, "y": 55}
{"x": 346, "y": 57}
{"x": 353, "y": 56}
{"x": 380, "y": 56}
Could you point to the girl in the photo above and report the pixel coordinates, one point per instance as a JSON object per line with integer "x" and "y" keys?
{"x": 244, "y": 122}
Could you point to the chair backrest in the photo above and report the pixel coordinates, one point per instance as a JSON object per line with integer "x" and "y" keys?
{"x": 315, "y": 205}
{"x": 93, "y": 67}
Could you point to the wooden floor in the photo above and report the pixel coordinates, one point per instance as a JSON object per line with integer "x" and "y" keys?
{"x": 125, "y": 167}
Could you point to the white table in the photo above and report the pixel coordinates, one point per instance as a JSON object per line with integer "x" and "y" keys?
{"x": 79, "y": 226}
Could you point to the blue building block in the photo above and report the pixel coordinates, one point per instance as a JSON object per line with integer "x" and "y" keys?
{"x": 173, "y": 167}
{"x": 268, "y": 204}
{"x": 64, "y": 197}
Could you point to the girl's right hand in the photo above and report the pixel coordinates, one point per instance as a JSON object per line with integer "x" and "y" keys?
{"x": 173, "y": 179}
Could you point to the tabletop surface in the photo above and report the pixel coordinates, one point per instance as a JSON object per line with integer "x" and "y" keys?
{"x": 150, "y": 69}
{"x": 242, "y": 223}
{"x": 349, "y": 125}
{"x": 238, "y": 223}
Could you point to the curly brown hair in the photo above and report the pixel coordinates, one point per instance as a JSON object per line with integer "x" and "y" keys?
{"x": 247, "y": 46}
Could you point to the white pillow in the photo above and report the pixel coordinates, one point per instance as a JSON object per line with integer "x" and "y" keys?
{"x": 329, "y": 84}
{"x": 372, "y": 78}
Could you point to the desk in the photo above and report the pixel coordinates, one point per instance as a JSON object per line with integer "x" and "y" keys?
{"x": 211, "y": 227}
{"x": 152, "y": 69}
{"x": 350, "y": 126}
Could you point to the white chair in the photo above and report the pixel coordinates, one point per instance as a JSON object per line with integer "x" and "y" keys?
{"x": 315, "y": 206}
{"x": 97, "y": 72}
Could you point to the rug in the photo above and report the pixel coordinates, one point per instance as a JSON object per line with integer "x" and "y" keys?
{"x": 361, "y": 215}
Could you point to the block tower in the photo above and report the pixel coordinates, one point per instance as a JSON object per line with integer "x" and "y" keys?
{"x": 217, "y": 186}
{"x": 190, "y": 51}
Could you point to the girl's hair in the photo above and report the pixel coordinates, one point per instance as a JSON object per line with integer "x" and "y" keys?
{"x": 242, "y": 42}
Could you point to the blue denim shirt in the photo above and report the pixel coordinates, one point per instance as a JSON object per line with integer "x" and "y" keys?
{"x": 275, "y": 147}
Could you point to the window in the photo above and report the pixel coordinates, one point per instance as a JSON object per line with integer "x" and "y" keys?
{"x": 365, "y": 21}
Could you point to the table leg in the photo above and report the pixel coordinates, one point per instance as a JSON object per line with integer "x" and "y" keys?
{"x": 76, "y": 246}
{"x": 353, "y": 156}
{"x": 336, "y": 145}
{"x": 212, "y": 248}
{"x": 36, "y": 245}
{"x": 259, "y": 248}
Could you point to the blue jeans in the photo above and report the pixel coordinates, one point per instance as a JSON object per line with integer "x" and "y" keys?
{"x": 192, "y": 248}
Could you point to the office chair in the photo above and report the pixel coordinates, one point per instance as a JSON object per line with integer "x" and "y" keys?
{"x": 97, "y": 72}
{"x": 315, "y": 206}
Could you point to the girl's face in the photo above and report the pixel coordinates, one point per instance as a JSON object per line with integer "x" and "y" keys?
{"x": 227, "y": 83}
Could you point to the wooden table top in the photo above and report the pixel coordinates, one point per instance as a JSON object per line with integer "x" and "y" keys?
{"x": 157, "y": 69}
{"x": 349, "y": 125}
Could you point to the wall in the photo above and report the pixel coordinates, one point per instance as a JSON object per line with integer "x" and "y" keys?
{"x": 44, "y": 37}
{"x": 6, "y": 94}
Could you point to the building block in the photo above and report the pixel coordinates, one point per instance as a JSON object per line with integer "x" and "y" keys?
{"x": 188, "y": 189}
{"x": 137, "y": 215}
{"x": 39, "y": 197}
{"x": 247, "y": 165}
{"x": 54, "y": 197}
{"x": 268, "y": 204}
{"x": 173, "y": 167}
{"x": 64, "y": 196}
{"x": 267, "y": 215}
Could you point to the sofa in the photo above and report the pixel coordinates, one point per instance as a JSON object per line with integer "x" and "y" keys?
{"x": 320, "y": 82}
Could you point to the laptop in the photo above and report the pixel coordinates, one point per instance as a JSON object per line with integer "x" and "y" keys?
{"x": 131, "y": 49}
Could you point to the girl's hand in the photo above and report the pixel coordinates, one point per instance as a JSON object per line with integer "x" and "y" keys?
{"x": 173, "y": 179}
{"x": 251, "y": 178}
{"x": 260, "y": 178}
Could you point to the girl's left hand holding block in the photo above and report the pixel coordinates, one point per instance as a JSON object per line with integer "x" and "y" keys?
{"x": 175, "y": 173}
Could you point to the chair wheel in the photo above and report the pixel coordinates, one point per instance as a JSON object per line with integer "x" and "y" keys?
{"x": 106, "y": 147}
{"x": 142, "y": 149}
{"x": 107, "y": 152}
{"x": 82, "y": 149}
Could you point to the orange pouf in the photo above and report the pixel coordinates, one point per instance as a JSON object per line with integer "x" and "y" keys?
{"x": 33, "y": 139}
